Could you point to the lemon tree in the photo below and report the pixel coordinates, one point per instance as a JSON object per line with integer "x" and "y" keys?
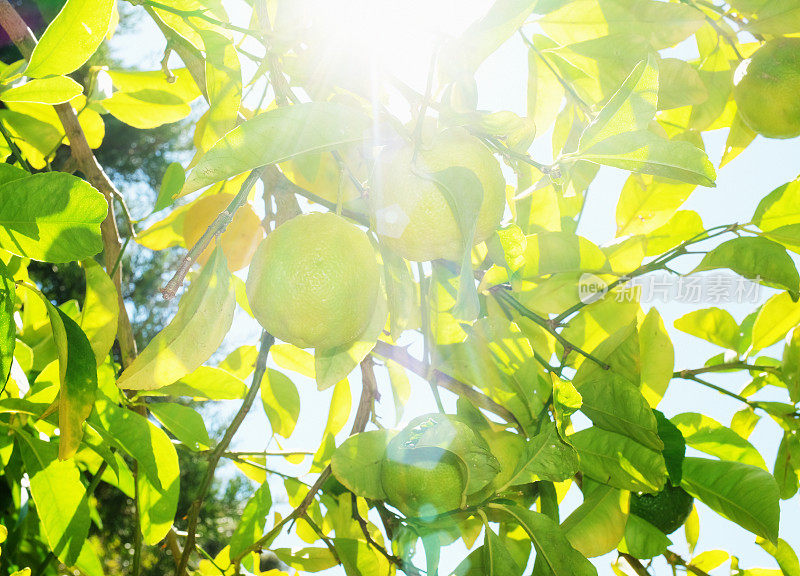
{"x": 459, "y": 373}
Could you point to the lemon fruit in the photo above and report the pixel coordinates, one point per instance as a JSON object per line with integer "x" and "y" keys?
{"x": 666, "y": 510}
{"x": 411, "y": 213}
{"x": 314, "y": 281}
{"x": 240, "y": 239}
{"x": 766, "y": 88}
{"x": 433, "y": 464}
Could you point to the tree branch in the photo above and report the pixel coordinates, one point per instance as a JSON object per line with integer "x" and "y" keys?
{"x": 675, "y": 560}
{"x": 194, "y": 512}
{"x": 402, "y": 357}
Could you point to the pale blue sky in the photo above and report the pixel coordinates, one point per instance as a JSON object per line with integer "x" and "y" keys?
{"x": 765, "y": 165}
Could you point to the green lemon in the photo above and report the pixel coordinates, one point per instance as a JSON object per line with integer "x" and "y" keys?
{"x": 666, "y": 510}
{"x": 314, "y": 281}
{"x": 434, "y": 464}
{"x": 423, "y": 482}
{"x": 410, "y": 212}
{"x": 766, "y": 89}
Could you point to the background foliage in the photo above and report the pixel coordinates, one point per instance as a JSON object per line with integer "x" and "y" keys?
{"x": 108, "y": 466}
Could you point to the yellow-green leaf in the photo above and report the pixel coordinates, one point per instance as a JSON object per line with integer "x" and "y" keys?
{"x": 54, "y": 90}
{"x": 71, "y": 38}
{"x": 203, "y": 319}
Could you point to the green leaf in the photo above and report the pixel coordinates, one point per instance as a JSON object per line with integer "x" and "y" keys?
{"x": 714, "y": 325}
{"x": 78, "y": 382}
{"x": 8, "y": 327}
{"x": 462, "y": 56}
{"x": 357, "y": 463}
{"x": 253, "y": 519}
{"x": 332, "y": 365}
{"x": 207, "y": 383}
{"x": 553, "y": 549}
{"x": 184, "y": 423}
{"x": 741, "y": 493}
{"x": 775, "y": 319}
{"x": 705, "y": 434}
{"x": 611, "y": 398}
{"x": 618, "y": 461}
{"x": 674, "y": 447}
{"x": 545, "y": 93}
{"x": 204, "y": 317}
{"x": 642, "y": 539}
{"x": 642, "y": 151}
{"x": 755, "y": 258}
{"x": 71, "y": 38}
{"x": 596, "y": 526}
{"x": 657, "y": 357}
{"x": 497, "y": 560}
{"x": 100, "y": 310}
{"x": 790, "y": 367}
{"x": 159, "y": 479}
{"x": 464, "y": 194}
{"x": 679, "y": 84}
{"x": 59, "y": 495}
{"x": 223, "y": 87}
{"x": 52, "y": 217}
{"x": 659, "y": 24}
{"x": 281, "y": 402}
{"x": 146, "y": 109}
{"x": 77, "y": 372}
{"x": 630, "y": 109}
{"x": 776, "y": 18}
{"x": 739, "y": 138}
{"x": 545, "y": 457}
{"x": 171, "y": 185}
{"x": 787, "y": 466}
{"x": 54, "y": 90}
{"x": 647, "y": 203}
{"x": 783, "y": 553}
{"x": 685, "y": 224}
{"x": 781, "y": 207}
{"x": 360, "y": 559}
{"x": 275, "y": 136}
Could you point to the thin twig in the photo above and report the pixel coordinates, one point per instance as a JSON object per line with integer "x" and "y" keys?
{"x": 218, "y": 226}
{"x": 713, "y": 386}
{"x": 255, "y": 387}
{"x": 675, "y": 560}
{"x": 365, "y": 407}
{"x": 635, "y": 564}
{"x": 444, "y": 380}
{"x": 548, "y": 325}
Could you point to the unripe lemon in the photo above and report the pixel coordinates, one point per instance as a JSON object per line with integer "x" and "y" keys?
{"x": 433, "y": 464}
{"x": 411, "y": 213}
{"x": 666, "y": 510}
{"x": 767, "y": 89}
{"x": 240, "y": 239}
{"x": 314, "y": 281}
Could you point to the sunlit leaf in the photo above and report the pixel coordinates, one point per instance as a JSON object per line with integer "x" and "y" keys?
{"x": 275, "y": 136}
{"x": 755, "y": 258}
{"x": 53, "y": 217}
{"x": 53, "y": 90}
{"x": 744, "y": 494}
{"x": 71, "y": 38}
{"x": 203, "y": 319}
